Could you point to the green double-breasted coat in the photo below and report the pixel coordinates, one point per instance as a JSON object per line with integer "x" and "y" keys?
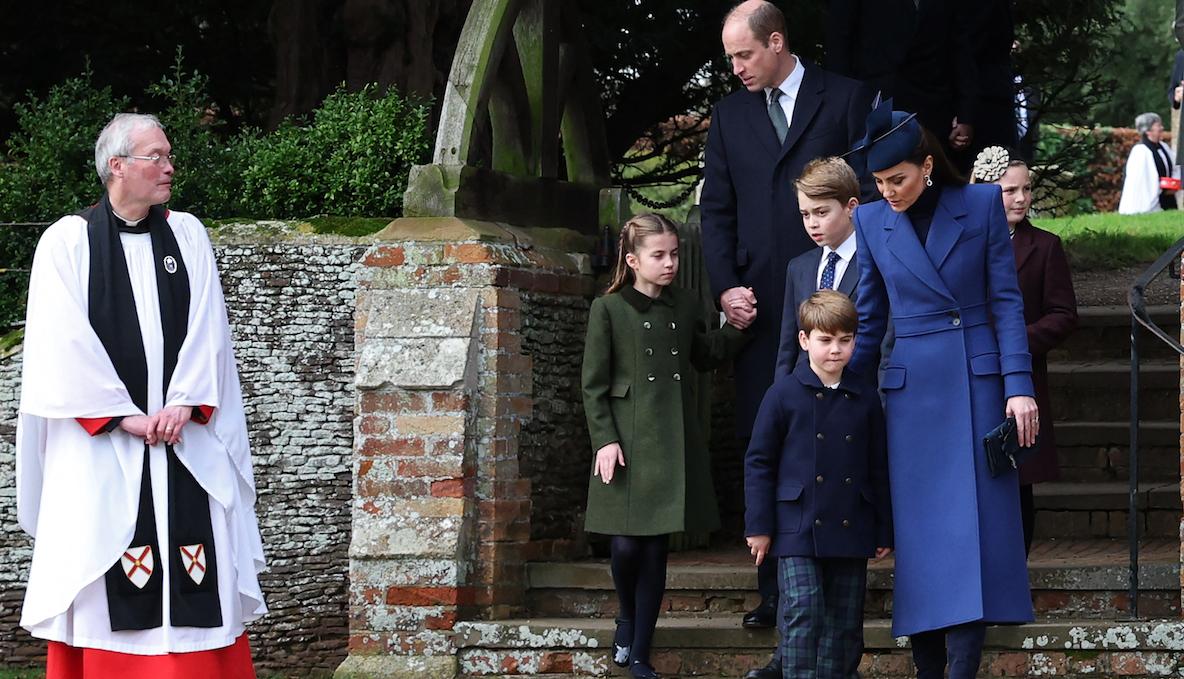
{"x": 636, "y": 354}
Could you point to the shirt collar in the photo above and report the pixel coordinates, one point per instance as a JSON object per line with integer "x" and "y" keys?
{"x": 846, "y": 249}
{"x": 642, "y": 302}
{"x": 792, "y": 83}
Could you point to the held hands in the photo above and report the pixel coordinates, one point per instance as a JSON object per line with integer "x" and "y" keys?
{"x": 163, "y": 427}
{"x": 961, "y": 134}
{"x": 758, "y": 546}
{"x": 607, "y": 459}
{"x": 739, "y": 306}
{"x": 1027, "y": 418}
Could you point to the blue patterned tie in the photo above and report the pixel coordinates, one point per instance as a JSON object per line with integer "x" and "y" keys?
{"x": 828, "y": 272}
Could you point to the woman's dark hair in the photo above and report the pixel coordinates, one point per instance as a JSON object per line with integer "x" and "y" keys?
{"x": 944, "y": 171}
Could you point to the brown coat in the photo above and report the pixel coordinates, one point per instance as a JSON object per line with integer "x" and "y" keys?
{"x": 1050, "y": 312}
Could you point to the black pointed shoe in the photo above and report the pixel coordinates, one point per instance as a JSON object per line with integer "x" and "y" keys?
{"x": 643, "y": 670}
{"x": 763, "y": 616}
{"x": 622, "y": 640}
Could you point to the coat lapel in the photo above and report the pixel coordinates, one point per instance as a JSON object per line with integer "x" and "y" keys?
{"x": 850, "y": 276}
{"x": 1023, "y": 244}
{"x": 945, "y": 230}
{"x": 810, "y": 95}
{"x": 762, "y": 127}
{"x": 807, "y": 280}
{"x": 902, "y": 242}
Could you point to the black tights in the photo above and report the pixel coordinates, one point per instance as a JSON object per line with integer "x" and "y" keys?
{"x": 639, "y": 573}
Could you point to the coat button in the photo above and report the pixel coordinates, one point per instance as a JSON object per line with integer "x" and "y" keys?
{"x": 819, "y": 396}
{"x": 820, "y": 436}
{"x": 677, "y": 377}
{"x": 847, "y": 480}
{"x": 673, "y": 351}
{"x": 818, "y": 478}
{"x": 649, "y": 351}
{"x": 849, "y": 438}
{"x": 956, "y": 322}
{"x": 846, "y": 395}
{"x": 646, "y": 325}
{"x": 650, "y": 377}
{"x": 673, "y": 325}
{"x": 817, "y": 522}
{"x": 846, "y": 523}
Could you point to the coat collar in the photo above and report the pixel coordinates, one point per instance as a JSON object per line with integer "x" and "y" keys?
{"x": 1023, "y": 243}
{"x": 944, "y": 232}
{"x": 806, "y": 376}
{"x": 643, "y": 302}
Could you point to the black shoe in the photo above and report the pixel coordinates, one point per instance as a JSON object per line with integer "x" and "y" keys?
{"x": 642, "y": 670}
{"x": 622, "y": 640}
{"x": 770, "y": 671}
{"x": 763, "y": 616}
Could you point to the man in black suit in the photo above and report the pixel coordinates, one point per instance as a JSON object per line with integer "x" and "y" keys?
{"x": 919, "y": 52}
{"x": 760, "y": 138}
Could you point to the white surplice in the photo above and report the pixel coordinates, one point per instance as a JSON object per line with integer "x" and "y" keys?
{"x": 78, "y": 495}
{"x": 1140, "y": 184}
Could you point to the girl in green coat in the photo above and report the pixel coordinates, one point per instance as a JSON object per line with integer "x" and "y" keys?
{"x": 652, "y": 474}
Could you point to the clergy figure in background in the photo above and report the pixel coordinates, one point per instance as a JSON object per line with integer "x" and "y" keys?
{"x": 133, "y": 466}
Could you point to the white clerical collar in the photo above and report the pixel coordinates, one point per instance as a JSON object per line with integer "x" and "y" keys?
{"x": 128, "y": 221}
{"x": 846, "y": 249}
{"x": 792, "y": 83}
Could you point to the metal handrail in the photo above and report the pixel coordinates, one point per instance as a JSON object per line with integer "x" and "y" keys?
{"x": 1137, "y": 302}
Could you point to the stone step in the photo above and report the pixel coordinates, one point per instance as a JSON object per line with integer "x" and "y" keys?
{"x": 1099, "y": 450}
{"x": 1100, "y": 390}
{"x": 1069, "y": 578}
{"x": 718, "y": 647}
{"x": 1099, "y": 510}
{"x": 1103, "y": 332}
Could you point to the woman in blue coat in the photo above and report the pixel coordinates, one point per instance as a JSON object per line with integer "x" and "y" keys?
{"x": 939, "y": 265}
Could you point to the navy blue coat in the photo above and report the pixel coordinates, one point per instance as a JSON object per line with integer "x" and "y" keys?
{"x": 751, "y": 224}
{"x": 801, "y": 281}
{"x": 816, "y": 470}
{"x": 961, "y": 350}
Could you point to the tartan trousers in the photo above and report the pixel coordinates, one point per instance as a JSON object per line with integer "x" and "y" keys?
{"x": 821, "y": 611}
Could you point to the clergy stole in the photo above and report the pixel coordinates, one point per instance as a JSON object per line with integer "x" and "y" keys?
{"x": 135, "y": 582}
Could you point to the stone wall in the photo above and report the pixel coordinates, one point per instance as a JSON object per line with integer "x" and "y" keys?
{"x": 291, "y": 304}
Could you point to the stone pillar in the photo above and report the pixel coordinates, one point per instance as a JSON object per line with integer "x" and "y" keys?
{"x": 441, "y": 513}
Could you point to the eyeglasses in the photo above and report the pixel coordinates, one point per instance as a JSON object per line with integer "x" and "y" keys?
{"x": 156, "y": 158}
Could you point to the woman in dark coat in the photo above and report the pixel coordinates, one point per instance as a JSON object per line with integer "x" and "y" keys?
{"x": 939, "y": 266}
{"x": 1050, "y": 306}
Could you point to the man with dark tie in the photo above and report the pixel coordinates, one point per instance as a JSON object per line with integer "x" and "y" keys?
{"x": 789, "y": 113}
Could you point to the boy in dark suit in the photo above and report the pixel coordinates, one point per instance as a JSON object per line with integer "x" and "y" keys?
{"x": 816, "y": 492}
{"x": 828, "y": 193}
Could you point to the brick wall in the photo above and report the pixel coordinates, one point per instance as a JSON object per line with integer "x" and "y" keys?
{"x": 291, "y": 307}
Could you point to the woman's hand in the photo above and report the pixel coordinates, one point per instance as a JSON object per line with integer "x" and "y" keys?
{"x": 1027, "y": 418}
{"x": 607, "y": 459}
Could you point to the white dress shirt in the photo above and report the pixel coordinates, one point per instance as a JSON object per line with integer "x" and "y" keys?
{"x": 846, "y": 251}
{"x": 789, "y": 88}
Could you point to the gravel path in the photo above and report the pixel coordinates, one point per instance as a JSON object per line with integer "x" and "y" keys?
{"x": 1110, "y": 287}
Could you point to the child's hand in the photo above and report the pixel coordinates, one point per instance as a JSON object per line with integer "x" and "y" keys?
{"x": 758, "y": 546}
{"x": 882, "y": 552}
{"x": 607, "y": 459}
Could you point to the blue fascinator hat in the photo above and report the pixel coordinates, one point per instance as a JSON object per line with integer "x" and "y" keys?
{"x": 891, "y": 137}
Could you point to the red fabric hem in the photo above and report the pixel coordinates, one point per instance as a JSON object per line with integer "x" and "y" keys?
{"x": 70, "y": 662}
{"x": 93, "y": 425}
{"x": 202, "y": 414}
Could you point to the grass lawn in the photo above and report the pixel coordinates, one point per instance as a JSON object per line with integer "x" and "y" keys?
{"x": 1113, "y": 241}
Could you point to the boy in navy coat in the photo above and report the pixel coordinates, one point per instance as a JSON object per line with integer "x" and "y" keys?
{"x": 816, "y": 492}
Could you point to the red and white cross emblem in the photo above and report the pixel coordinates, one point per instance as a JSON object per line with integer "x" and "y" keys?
{"x": 193, "y": 557}
{"x": 138, "y": 565}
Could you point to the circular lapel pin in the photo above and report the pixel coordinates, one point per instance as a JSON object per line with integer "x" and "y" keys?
{"x": 170, "y": 264}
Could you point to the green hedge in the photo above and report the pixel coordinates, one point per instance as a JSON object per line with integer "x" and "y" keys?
{"x": 350, "y": 158}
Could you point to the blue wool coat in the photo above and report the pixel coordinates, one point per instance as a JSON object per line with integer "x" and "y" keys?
{"x": 816, "y": 471}
{"x": 961, "y": 350}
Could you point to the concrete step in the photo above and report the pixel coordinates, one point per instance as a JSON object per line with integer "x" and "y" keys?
{"x": 718, "y": 647}
{"x": 1099, "y": 510}
{"x": 1099, "y": 450}
{"x": 1103, "y": 333}
{"x": 1069, "y": 578}
{"x": 1100, "y": 390}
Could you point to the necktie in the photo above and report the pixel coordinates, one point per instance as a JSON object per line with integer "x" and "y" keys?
{"x": 828, "y": 272}
{"x": 777, "y": 114}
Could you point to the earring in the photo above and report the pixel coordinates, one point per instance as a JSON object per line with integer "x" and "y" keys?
{"x": 928, "y": 181}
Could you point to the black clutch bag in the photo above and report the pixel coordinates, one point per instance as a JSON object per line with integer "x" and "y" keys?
{"x": 1004, "y": 452}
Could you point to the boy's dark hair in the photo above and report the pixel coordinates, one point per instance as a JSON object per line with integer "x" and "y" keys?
{"x": 828, "y": 311}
